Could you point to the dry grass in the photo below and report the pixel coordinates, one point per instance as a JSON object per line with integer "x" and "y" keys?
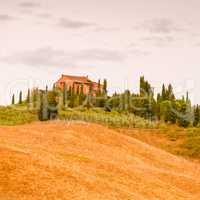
{"x": 86, "y": 161}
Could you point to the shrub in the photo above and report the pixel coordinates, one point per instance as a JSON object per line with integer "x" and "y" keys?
{"x": 114, "y": 119}
{"x": 12, "y": 116}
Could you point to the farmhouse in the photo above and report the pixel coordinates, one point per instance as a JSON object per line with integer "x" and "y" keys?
{"x": 77, "y": 82}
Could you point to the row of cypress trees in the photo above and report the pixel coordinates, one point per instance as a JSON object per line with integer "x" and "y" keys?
{"x": 20, "y": 101}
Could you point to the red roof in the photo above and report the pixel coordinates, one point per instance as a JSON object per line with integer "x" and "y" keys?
{"x": 82, "y": 79}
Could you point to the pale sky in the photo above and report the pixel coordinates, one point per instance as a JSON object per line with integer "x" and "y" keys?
{"x": 114, "y": 39}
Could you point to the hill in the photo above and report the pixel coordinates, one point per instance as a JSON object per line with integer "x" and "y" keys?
{"x": 57, "y": 160}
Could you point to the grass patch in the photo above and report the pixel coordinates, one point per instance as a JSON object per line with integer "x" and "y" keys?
{"x": 13, "y": 116}
{"x": 113, "y": 119}
{"x": 192, "y": 143}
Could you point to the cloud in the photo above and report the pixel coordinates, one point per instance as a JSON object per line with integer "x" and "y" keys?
{"x": 162, "y": 40}
{"x": 29, "y": 5}
{"x": 138, "y": 52}
{"x": 42, "y": 57}
{"x": 73, "y": 24}
{"x": 106, "y": 29}
{"x": 49, "y": 57}
{"x": 101, "y": 55}
{"x": 161, "y": 26}
{"x": 4, "y": 17}
{"x": 197, "y": 44}
{"x": 44, "y": 15}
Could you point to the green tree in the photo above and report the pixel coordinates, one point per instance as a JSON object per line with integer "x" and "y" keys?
{"x": 20, "y": 97}
{"x": 168, "y": 111}
{"x": 105, "y": 87}
{"x": 35, "y": 96}
{"x": 169, "y": 95}
{"x": 196, "y": 115}
{"x": 28, "y": 99}
{"x": 65, "y": 94}
{"x": 43, "y": 111}
{"x": 78, "y": 90}
{"x": 81, "y": 95}
{"x": 13, "y": 99}
{"x": 158, "y": 106}
{"x": 163, "y": 94}
{"x": 53, "y": 104}
{"x": 183, "y": 115}
{"x": 146, "y": 102}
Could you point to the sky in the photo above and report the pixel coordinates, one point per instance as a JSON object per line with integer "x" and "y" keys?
{"x": 119, "y": 40}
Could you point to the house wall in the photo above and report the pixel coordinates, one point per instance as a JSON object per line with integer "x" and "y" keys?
{"x": 70, "y": 83}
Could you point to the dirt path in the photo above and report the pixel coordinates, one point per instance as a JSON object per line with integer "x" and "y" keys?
{"x": 81, "y": 161}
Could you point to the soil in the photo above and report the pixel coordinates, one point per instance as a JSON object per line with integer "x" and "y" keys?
{"x": 58, "y": 161}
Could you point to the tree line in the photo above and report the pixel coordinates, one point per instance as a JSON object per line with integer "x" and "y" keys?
{"x": 163, "y": 106}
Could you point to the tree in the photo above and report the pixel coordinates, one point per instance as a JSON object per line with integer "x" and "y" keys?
{"x": 72, "y": 96}
{"x": 105, "y": 87}
{"x": 146, "y": 102}
{"x": 13, "y": 99}
{"x": 196, "y": 115}
{"x": 169, "y": 95}
{"x": 28, "y": 99}
{"x": 52, "y": 104}
{"x": 125, "y": 101}
{"x": 168, "y": 113}
{"x": 43, "y": 111}
{"x": 81, "y": 95}
{"x": 20, "y": 97}
{"x": 35, "y": 96}
{"x": 89, "y": 97}
{"x": 158, "y": 106}
{"x": 98, "y": 93}
{"x": 183, "y": 114}
{"x": 46, "y": 88}
{"x": 163, "y": 94}
{"x": 65, "y": 94}
{"x": 78, "y": 90}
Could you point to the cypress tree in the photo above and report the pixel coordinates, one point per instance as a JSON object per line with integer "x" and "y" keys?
{"x": 82, "y": 90}
{"x": 20, "y": 97}
{"x": 81, "y": 96}
{"x": 91, "y": 89}
{"x": 170, "y": 94}
{"x": 52, "y": 104}
{"x": 43, "y": 111}
{"x": 158, "y": 111}
{"x": 105, "y": 86}
{"x": 28, "y": 100}
{"x": 99, "y": 88}
{"x": 70, "y": 92}
{"x": 98, "y": 94}
{"x": 35, "y": 98}
{"x": 163, "y": 94}
{"x": 142, "y": 86}
{"x": 46, "y": 88}
{"x": 196, "y": 116}
{"x": 72, "y": 96}
{"x": 78, "y": 90}
{"x": 64, "y": 94}
{"x": 13, "y": 99}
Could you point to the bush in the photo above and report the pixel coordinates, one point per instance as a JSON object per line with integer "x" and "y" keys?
{"x": 12, "y": 116}
{"x": 113, "y": 119}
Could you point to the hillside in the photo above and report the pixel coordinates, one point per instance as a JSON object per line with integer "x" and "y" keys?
{"x": 57, "y": 160}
